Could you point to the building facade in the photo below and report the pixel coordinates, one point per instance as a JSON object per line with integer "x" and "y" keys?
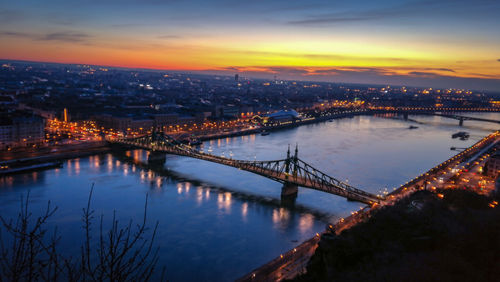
{"x": 492, "y": 166}
{"x": 21, "y": 130}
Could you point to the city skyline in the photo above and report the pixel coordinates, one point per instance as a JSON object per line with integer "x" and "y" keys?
{"x": 414, "y": 43}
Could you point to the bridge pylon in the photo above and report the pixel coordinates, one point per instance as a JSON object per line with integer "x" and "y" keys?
{"x": 290, "y": 190}
{"x": 289, "y": 193}
{"x": 287, "y": 163}
{"x": 157, "y": 158}
{"x": 296, "y": 161}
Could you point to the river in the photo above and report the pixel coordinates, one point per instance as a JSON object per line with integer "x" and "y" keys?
{"x": 217, "y": 223}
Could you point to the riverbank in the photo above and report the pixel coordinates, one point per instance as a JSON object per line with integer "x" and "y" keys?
{"x": 18, "y": 160}
{"x": 448, "y": 235}
{"x": 285, "y": 125}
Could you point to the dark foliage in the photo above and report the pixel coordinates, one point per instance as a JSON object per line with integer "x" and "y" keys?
{"x": 421, "y": 238}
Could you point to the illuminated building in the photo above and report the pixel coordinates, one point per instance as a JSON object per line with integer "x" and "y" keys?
{"x": 492, "y": 166}
{"x": 19, "y": 129}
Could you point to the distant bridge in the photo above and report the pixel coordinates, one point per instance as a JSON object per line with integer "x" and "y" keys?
{"x": 292, "y": 171}
{"x": 461, "y": 118}
{"x": 443, "y": 112}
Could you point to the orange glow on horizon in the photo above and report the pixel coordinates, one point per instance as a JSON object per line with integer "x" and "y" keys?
{"x": 317, "y": 57}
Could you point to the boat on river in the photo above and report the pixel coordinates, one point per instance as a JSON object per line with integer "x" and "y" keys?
{"x": 6, "y": 169}
{"x": 461, "y": 134}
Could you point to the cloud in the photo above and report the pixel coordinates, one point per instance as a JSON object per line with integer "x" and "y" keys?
{"x": 318, "y": 57}
{"x": 440, "y": 69}
{"x": 334, "y": 19}
{"x": 336, "y": 71}
{"x": 352, "y": 16}
{"x": 423, "y": 77}
{"x": 423, "y": 74}
{"x": 14, "y": 34}
{"x": 62, "y": 36}
{"x": 394, "y": 11}
{"x": 65, "y": 36}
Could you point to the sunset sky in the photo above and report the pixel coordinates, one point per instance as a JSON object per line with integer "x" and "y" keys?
{"x": 450, "y": 43}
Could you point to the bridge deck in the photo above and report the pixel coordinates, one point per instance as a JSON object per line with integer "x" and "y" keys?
{"x": 304, "y": 175}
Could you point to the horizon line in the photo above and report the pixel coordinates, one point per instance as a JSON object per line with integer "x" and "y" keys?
{"x": 204, "y": 72}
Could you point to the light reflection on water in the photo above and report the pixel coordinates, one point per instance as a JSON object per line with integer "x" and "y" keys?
{"x": 216, "y": 222}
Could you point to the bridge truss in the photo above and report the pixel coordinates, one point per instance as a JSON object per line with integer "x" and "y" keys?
{"x": 290, "y": 170}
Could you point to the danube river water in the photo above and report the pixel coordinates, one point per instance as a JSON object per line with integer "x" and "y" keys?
{"x": 216, "y": 223}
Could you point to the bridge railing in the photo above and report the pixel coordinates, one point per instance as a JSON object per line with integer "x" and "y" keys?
{"x": 319, "y": 175}
{"x": 291, "y": 169}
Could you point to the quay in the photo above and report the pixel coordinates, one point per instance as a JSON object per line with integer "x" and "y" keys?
{"x": 16, "y": 162}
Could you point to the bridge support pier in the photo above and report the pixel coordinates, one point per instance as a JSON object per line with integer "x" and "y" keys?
{"x": 157, "y": 158}
{"x": 289, "y": 193}
{"x": 461, "y": 122}
{"x": 405, "y": 115}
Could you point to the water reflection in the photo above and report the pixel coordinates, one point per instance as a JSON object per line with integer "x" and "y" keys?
{"x": 281, "y": 217}
{"x": 224, "y": 202}
{"x": 159, "y": 182}
{"x": 306, "y": 222}
{"x": 110, "y": 163}
{"x": 244, "y": 211}
{"x": 77, "y": 166}
{"x": 199, "y": 195}
{"x": 125, "y": 169}
{"x": 215, "y": 221}
{"x": 137, "y": 156}
{"x": 7, "y": 181}
{"x": 69, "y": 166}
{"x": 25, "y": 180}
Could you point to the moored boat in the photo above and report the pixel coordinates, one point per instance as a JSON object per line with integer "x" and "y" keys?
{"x": 4, "y": 170}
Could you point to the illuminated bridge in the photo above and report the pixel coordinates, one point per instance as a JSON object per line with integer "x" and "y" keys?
{"x": 461, "y": 118}
{"x": 292, "y": 171}
{"x": 439, "y": 111}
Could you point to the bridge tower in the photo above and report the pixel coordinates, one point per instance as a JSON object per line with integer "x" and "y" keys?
{"x": 290, "y": 190}
{"x": 156, "y": 158}
{"x": 287, "y": 163}
{"x": 296, "y": 160}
